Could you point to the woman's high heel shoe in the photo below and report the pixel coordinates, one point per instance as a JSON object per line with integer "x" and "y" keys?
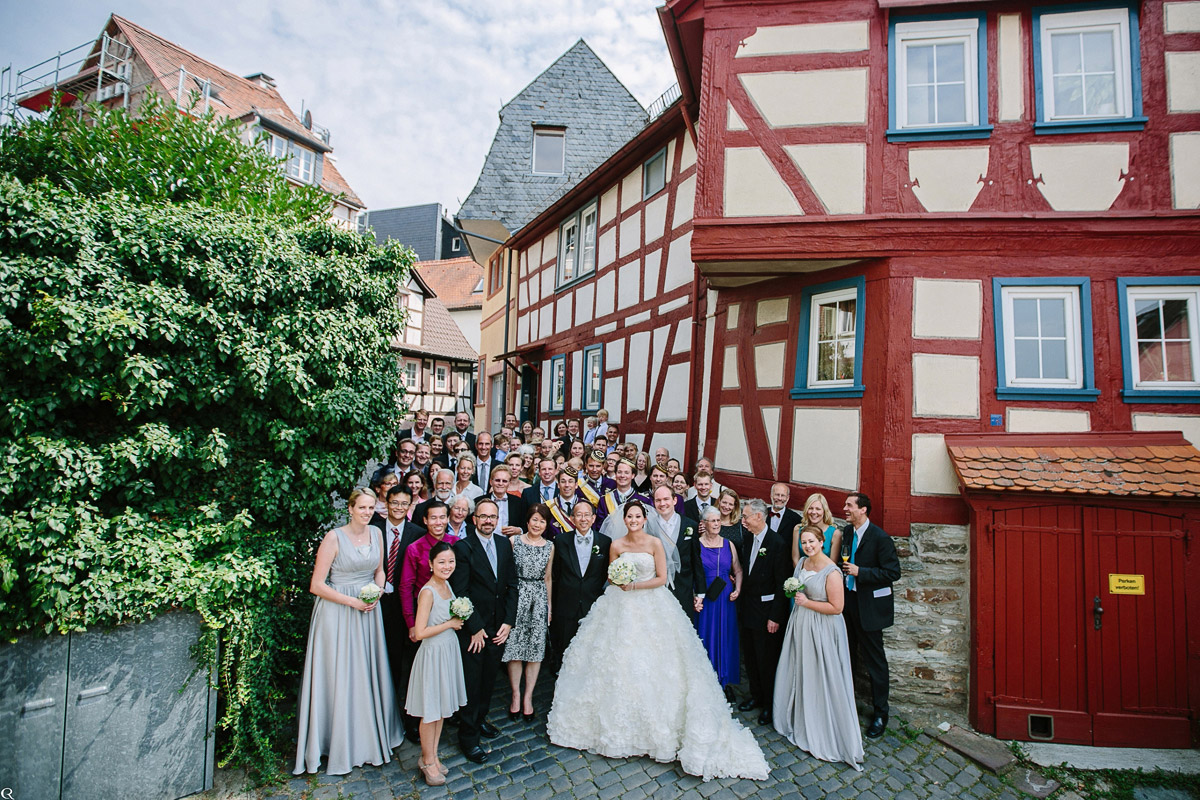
{"x": 433, "y": 776}
{"x": 513, "y": 714}
{"x": 530, "y": 717}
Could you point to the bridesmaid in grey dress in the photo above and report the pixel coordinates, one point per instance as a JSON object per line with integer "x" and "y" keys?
{"x": 436, "y": 688}
{"x": 814, "y": 693}
{"x": 347, "y": 709}
{"x": 527, "y": 642}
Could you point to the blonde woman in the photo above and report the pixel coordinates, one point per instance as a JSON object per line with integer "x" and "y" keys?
{"x": 730, "y": 506}
{"x": 465, "y": 470}
{"x": 816, "y": 513}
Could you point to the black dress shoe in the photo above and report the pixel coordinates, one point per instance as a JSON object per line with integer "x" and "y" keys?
{"x": 476, "y": 754}
{"x": 488, "y": 731}
{"x": 729, "y": 695}
{"x": 747, "y": 704}
{"x": 878, "y": 725}
{"x": 765, "y": 718}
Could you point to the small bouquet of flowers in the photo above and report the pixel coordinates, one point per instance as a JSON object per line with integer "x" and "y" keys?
{"x": 370, "y": 593}
{"x": 462, "y": 607}
{"x": 621, "y": 572}
{"x": 791, "y": 586}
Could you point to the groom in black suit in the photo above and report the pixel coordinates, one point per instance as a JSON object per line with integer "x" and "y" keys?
{"x": 762, "y": 606}
{"x": 679, "y": 534}
{"x": 486, "y": 573}
{"x": 578, "y": 574}
{"x": 870, "y": 604}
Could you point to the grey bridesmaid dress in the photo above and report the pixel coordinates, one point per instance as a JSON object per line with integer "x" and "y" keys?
{"x": 347, "y": 706}
{"x": 436, "y": 688}
{"x": 814, "y": 693}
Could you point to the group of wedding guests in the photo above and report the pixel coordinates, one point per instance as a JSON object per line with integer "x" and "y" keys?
{"x": 790, "y": 594}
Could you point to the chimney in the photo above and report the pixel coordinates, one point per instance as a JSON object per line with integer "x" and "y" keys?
{"x": 262, "y": 79}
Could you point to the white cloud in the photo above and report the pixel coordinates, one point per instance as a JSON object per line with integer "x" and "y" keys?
{"x": 409, "y": 88}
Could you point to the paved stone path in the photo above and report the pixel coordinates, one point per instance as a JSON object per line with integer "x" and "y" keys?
{"x": 904, "y": 764}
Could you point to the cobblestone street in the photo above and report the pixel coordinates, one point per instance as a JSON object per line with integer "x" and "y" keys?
{"x": 904, "y": 764}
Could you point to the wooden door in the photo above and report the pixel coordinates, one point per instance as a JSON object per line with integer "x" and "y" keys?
{"x": 1138, "y": 656}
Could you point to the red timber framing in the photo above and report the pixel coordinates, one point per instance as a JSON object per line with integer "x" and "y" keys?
{"x": 641, "y": 304}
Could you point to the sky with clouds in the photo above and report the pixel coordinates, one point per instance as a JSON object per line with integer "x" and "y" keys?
{"x": 411, "y": 89}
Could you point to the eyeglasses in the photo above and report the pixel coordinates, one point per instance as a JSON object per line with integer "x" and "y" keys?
{"x": 486, "y": 517}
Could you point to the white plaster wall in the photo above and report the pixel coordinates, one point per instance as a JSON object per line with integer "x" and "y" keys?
{"x": 629, "y": 287}
{"x": 650, "y": 277}
{"x": 523, "y": 329}
{"x": 535, "y": 256}
{"x": 659, "y": 349}
{"x": 817, "y": 97}
{"x": 547, "y": 279}
{"x": 768, "y": 364}
{"x": 549, "y": 247}
{"x": 670, "y": 306}
{"x": 683, "y": 336}
{"x": 945, "y": 386}
{"x": 1183, "y": 82}
{"x": 822, "y": 37}
{"x": 656, "y": 218}
{"x": 605, "y": 290}
{"x": 1011, "y": 66}
{"x": 753, "y": 188}
{"x": 688, "y": 156}
{"x": 534, "y": 325}
{"x": 825, "y": 446}
{"x": 674, "y": 442}
{"x": 674, "y": 405}
{"x": 546, "y": 320}
{"x": 631, "y": 189}
{"x": 729, "y": 370}
{"x": 1080, "y": 177}
{"x": 944, "y": 309}
{"x": 733, "y": 120}
{"x": 639, "y": 355}
{"x": 1185, "y": 169}
{"x": 608, "y": 205}
{"x": 563, "y": 318}
{"x": 706, "y": 377}
{"x": 613, "y": 398}
{"x": 1190, "y": 425}
{"x": 637, "y": 319}
{"x": 771, "y": 416}
{"x": 614, "y": 355}
{"x": 575, "y": 396}
{"x": 732, "y": 315}
{"x": 631, "y": 234}
{"x": 1181, "y": 17}
{"x": 837, "y": 174}
{"x": 932, "y": 472}
{"x": 1046, "y": 420}
{"x": 583, "y": 303}
{"x": 606, "y": 248}
{"x": 523, "y": 293}
{"x": 947, "y": 178}
{"x": 680, "y": 269}
{"x": 732, "y": 453}
{"x": 770, "y": 311}
{"x": 535, "y": 288}
{"x": 607, "y": 327}
{"x": 685, "y": 201}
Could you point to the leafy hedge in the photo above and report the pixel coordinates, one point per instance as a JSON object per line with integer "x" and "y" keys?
{"x": 192, "y": 359}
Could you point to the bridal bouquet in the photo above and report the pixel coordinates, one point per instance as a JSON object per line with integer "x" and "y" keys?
{"x": 791, "y": 586}
{"x": 462, "y": 607}
{"x": 370, "y": 593}
{"x": 621, "y": 572}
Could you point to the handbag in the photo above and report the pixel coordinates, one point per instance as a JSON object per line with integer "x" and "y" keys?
{"x": 718, "y": 583}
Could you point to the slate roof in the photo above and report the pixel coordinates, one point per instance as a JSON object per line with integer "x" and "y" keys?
{"x": 1138, "y": 464}
{"x": 416, "y": 227}
{"x": 454, "y": 280}
{"x": 579, "y": 92}
{"x": 440, "y": 335}
{"x": 236, "y": 97}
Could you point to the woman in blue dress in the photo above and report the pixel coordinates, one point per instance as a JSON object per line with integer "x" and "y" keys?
{"x": 717, "y": 620}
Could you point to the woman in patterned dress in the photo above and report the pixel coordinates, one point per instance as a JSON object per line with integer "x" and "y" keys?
{"x": 526, "y": 645}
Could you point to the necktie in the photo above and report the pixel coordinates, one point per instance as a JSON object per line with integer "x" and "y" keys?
{"x": 853, "y": 553}
{"x": 393, "y": 551}
{"x": 490, "y": 549}
{"x": 755, "y": 543}
{"x": 545, "y": 493}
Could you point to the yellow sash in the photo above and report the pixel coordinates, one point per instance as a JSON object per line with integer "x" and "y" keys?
{"x": 589, "y": 493}
{"x": 564, "y": 524}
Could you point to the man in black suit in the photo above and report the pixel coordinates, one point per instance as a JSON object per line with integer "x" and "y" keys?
{"x": 780, "y": 518}
{"x": 700, "y": 496}
{"x": 546, "y": 488}
{"x": 419, "y": 432}
{"x": 579, "y": 574}
{"x": 485, "y": 461}
{"x": 462, "y": 423}
{"x": 681, "y": 541}
{"x": 487, "y": 574}
{"x": 448, "y": 458}
{"x": 762, "y": 606}
{"x": 870, "y": 604}
{"x": 398, "y": 534}
{"x": 511, "y": 507}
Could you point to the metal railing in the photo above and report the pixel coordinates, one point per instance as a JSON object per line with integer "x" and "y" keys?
{"x": 664, "y": 101}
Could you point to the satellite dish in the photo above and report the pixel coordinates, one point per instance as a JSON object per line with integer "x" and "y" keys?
{"x": 308, "y": 120}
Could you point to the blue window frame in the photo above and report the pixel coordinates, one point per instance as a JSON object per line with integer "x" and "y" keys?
{"x": 591, "y": 389}
{"x": 937, "y": 77}
{"x": 829, "y": 355}
{"x": 1087, "y": 68}
{"x": 1044, "y": 339}
{"x": 1160, "y": 339}
{"x": 558, "y": 384}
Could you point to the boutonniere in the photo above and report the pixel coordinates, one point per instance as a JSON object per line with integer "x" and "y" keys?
{"x": 762, "y": 551}
{"x": 687, "y": 533}
{"x": 595, "y": 549}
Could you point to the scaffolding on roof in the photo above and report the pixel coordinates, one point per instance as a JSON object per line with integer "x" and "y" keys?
{"x": 69, "y": 75}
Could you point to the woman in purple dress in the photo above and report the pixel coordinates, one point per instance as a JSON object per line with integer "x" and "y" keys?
{"x": 717, "y": 620}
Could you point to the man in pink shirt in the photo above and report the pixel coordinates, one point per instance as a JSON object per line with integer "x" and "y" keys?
{"x": 416, "y": 571}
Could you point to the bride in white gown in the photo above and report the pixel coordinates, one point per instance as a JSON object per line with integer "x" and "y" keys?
{"x": 636, "y": 679}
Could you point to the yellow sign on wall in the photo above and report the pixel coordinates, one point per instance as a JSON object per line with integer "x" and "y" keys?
{"x": 1126, "y": 584}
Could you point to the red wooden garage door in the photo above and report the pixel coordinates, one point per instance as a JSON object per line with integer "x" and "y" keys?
{"x": 1074, "y": 661}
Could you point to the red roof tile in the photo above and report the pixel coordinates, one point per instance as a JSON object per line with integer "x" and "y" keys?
{"x": 454, "y": 280}
{"x": 1150, "y": 463}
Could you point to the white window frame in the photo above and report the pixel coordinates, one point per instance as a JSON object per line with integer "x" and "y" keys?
{"x": 814, "y": 325}
{"x": 1163, "y": 292}
{"x": 577, "y": 244}
{"x": 441, "y": 378}
{"x": 548, "y": 133}
{"x": 558, "y": 384}
{"x": 455, "y": 245}
{"x": 301, "y": 164}
{"x": 1074, "y": 337}
{"x": 660, "y": 182}
{"x": 926, "y": 32}
{"x": 277, "y": 146}
{"x": 412, "y": 372}
{"x": 1115, "y": 20}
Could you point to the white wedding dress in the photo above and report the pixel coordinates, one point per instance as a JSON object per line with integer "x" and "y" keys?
{"x": 636, "y": 681}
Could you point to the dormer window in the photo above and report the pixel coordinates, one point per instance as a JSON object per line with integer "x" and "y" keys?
{"x": 549, "y": 150}
{"x": 301, "y": 161}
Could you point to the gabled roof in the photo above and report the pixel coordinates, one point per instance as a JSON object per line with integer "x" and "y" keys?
{"x": 577, "y": 92}
{"x": 234, "y": 96}
{"x": 455, "y": 281}
{"x": 440, "y": 336}
{"x": 1140, "y": 464}
{"x": 416, "y": 227}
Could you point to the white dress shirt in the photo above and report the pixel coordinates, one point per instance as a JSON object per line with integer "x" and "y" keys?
{"x": 583, "y": 551}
